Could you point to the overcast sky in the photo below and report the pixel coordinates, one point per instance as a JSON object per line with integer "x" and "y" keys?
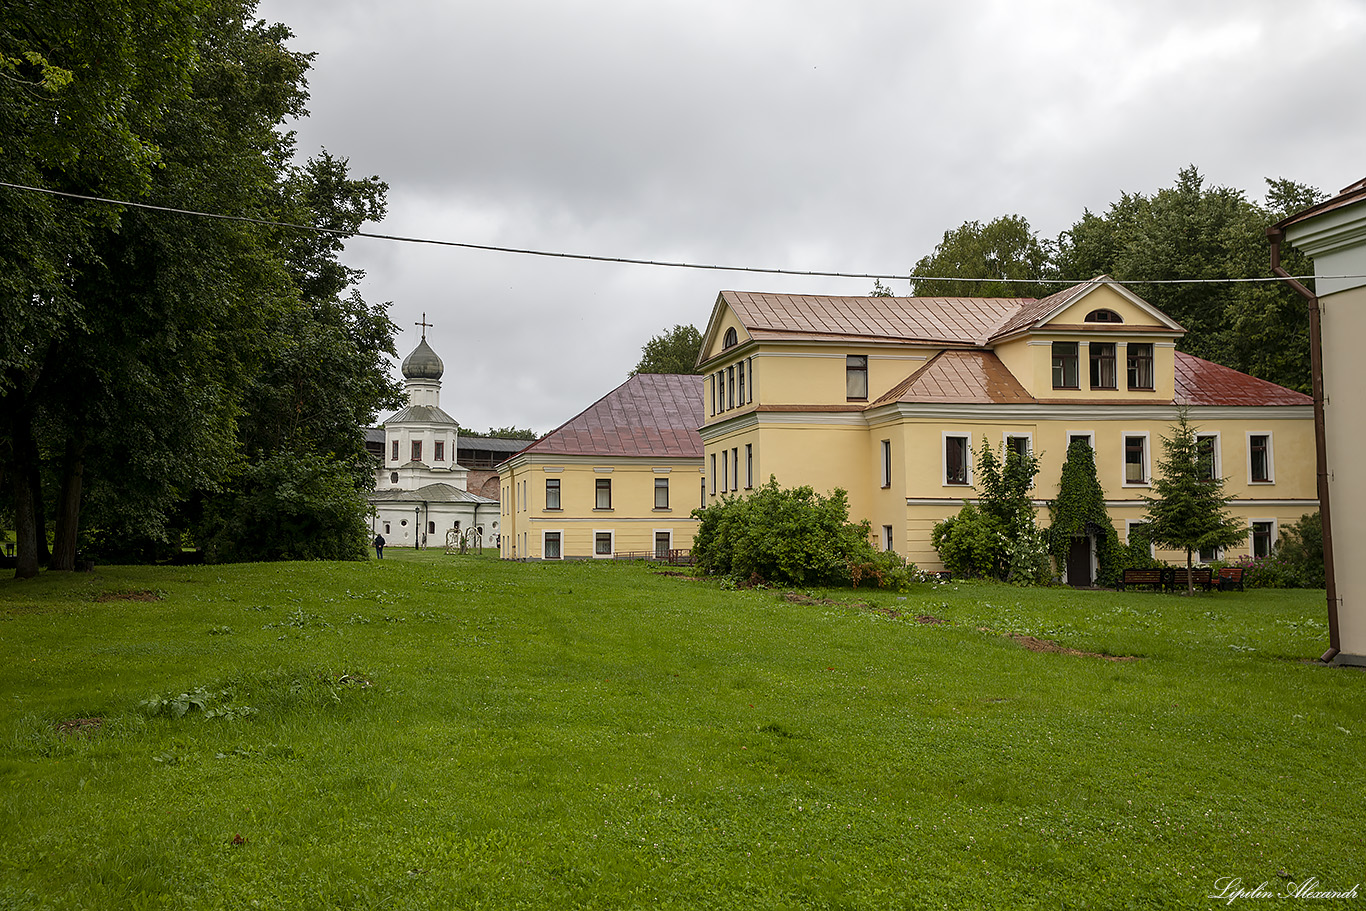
{"x": 826, "y": 136}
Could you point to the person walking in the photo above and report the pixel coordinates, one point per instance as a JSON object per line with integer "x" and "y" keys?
{"x": 379, "y": 547}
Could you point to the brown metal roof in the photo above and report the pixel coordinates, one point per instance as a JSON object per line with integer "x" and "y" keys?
{"x": 651, "y": 414}
{"x": 941, "y": 320}
{"x": 960, "y": 377}
{"x": 1201, "y": 382}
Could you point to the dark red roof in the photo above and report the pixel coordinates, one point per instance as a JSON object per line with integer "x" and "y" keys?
{"x": 651, "y": 414}
{"x": 1201, "y": 382}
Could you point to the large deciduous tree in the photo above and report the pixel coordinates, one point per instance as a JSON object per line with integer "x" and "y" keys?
{"x": 1209, "y": 233}
{"x": 1189, "y": 510}
{"x": 674, "y": 351}
{"x": 136, "y": 373}
{"x": 972, "y": 260}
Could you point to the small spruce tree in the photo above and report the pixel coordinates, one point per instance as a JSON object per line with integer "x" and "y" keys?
{"x": 1189, "y": 511}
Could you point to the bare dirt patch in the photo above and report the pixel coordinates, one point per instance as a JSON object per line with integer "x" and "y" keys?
{"x": 77, "y": 727}
{"x": 1043, "y": 645}
{"x": 142, "y": 595}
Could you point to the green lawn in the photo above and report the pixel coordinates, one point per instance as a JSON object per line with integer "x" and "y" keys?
{"x": 460, "y": 732}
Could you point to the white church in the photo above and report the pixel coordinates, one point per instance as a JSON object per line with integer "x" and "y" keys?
{"x": 421, "y": 497}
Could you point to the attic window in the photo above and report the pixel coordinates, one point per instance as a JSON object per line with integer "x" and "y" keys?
{"x": 1104, "y": 316}
{"x": 731, "y": 339}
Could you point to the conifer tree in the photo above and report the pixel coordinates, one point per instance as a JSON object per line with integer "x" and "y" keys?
{"x": 1189, "y": 511}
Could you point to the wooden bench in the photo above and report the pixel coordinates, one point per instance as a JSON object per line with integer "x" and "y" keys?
{"x": 1198, "y": 578}
{"x": 1154, "y": 577}
{"x": 1231, "y": 577}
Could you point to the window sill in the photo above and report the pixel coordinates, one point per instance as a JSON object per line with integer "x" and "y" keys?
{"x": 1142, "y": 389}
{"x": 603, "y": 509}
{"x": 661, "y": 509}
{"x": 553, "y": 509}
{"x": 1068, "y": 388}
{"x": 1137, "y": 484}
{"x": 1261, "y": 483}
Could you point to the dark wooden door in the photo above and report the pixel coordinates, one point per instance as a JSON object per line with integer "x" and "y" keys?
{"x": 1079, "y": 563}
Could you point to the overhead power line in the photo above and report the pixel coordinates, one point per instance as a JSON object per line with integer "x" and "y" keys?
{"x": 626, "y": 260}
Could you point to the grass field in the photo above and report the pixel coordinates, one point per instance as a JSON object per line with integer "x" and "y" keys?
{"x": 460, "y": 732}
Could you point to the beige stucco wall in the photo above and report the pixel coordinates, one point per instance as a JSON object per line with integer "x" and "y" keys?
{"x": 632, "y": 519}
{"x": 1344, "y": 378}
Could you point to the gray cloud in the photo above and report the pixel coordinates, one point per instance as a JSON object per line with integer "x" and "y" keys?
{"x": 796, "y": 134}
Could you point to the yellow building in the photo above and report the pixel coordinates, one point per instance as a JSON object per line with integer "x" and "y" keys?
{"x": 622, "y": 478}
{"x": 889, "y": 398}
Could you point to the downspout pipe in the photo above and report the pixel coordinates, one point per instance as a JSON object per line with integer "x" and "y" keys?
{"x": 1276, "y": 236}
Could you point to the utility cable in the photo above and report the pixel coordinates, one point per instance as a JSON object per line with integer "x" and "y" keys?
{"x": 625, "y": 260}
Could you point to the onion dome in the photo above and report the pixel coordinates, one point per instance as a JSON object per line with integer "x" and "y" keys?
{"x": 423, "y": 364}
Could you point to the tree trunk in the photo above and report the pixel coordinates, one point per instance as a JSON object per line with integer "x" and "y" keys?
{"x": 1190, "y": 569}
{"x": 69, "y": 504}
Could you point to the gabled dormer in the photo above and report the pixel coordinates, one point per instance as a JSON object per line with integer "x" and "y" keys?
{"x": 1097, "y": 341}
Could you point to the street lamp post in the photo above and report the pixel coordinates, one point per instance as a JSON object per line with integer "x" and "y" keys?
{"x": 417, "y": 541}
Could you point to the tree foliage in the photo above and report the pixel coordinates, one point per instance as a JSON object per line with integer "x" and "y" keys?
{"x": 1194, "y": 231}
{"x": 674, "y": 351}
{"x": 503, "y": 433}
{"x": 790, "y": 537}
{"x": 997, "y": 538}
{"x": 156, "y": 356}
{"x": 1004, "y": 248}
{"x": 1189, "y": 511}
{"x": 1079, "y": 509}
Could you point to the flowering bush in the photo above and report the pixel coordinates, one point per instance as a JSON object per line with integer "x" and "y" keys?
{"x": 1272, "y": 571}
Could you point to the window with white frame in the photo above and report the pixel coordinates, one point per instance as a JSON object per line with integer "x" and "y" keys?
{"x": 735, "y": 468}
{"x": 1263, "y": 537}
{"x": 751, "y": 378}
{"x": 603, "y": 493}
{"x": 1207, "y": 456}
{"x": 957, "y": 459}
{"x": 725, "y": 469}
{"x": 664, "y": 542}
{"x": 1260, "y": 464}
{"x": 1210, "y": 554}
{"x": 394, "y": 456}
{"x": 749, "y": 466}
{"x": 713, "y": 474}
{"x": 1019, "y": 443}
{"x": 740, "y": 368}
{"x": 1136, "y": 459}
{"x": 661, "y": 493}
{"x": 439, "y": 451}
{"x": 552, "y": 493}
{"x": 1065, "y": 365}
{"x": 1087, "y": 435}
{"x": 887, "y": 537}
{"x": 551, "y": 545}
{"x": 602, "y": 543}
{"x": 886, "y": 463}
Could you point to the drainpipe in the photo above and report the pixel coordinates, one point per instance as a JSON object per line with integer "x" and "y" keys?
{"x": 1276, "y": 236}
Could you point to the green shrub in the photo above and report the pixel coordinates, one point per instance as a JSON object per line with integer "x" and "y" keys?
{"x": 967, "y": 542}
{"x": 1301, "y": 549}
{"x": 788, "y": 537}
{"x": 997, "y": 538}
{"x": 286, "y": 508}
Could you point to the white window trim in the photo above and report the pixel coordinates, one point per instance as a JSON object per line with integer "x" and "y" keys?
{"x": 1147, "y": 458}
{"x": 1218, "y": 451}
{"x": 654, "y": 494}
{"x": 662, "y": 531}
{"x": 1270, "y": 457}
{"x": 604, "y": 531}
{"x": 713, "y": 474}
{"x": 749, "y": 466}
{"x": 1275, "y": 533}
{"x": 1027, "y": 434}
{"x": 1089, "y": 434}
{"x": 944, "y": 458}
{"x": 735, "y": 468}
{"x": 887, "y": 538}
{"x": 552, "y": 531}
{"x": 725, "y": 470}
{"x": 886, "y": 463}
{"x": 1128, "y": 535}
